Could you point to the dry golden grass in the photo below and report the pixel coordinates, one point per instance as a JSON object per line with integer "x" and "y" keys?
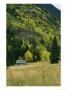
{"x": 34, "y": 74}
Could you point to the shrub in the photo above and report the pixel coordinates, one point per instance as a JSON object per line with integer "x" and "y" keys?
{"x": 45, "y": 56}
{"x": 20, "y": 58}
{"x": 28, "y": 56}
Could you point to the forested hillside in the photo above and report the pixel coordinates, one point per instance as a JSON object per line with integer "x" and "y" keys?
{"x": 31, "y": 29}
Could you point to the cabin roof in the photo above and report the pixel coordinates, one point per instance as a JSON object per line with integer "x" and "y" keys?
{"x": 20, "y": 61}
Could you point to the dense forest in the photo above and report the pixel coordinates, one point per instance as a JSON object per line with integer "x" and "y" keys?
{"x": 33, "y": 33}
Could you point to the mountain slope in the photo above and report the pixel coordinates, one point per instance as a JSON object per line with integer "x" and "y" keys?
{"x": 31, "y": 23}
{"x": 34, "y": 15}
{"x": 50, "y": 8}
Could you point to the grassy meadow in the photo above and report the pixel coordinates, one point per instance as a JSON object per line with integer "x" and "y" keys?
{"x": 34, "y": 74}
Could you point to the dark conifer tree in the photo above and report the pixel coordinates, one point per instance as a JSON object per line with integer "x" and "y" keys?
{"x": 54, "y": 57}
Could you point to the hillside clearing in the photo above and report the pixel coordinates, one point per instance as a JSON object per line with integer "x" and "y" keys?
{"x": 34, "y": 74}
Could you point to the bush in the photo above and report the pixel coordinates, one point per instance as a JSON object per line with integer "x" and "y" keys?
{"x": 45, "y": 56}
{"x": 28, "y": 56}
{"x": 20, "y": 58}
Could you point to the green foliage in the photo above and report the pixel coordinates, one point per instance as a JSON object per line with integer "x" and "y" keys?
{"x": 28, "y": 56}
{"x": 45, "y": 56}
{"x": 54, "y": 51}
{"x": 20, "y": 58}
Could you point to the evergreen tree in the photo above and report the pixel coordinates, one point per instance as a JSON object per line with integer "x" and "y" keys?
{"x": 54, "y": 57}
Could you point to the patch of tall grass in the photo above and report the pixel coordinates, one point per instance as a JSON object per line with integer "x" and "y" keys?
{"x": 35, "y": 74}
